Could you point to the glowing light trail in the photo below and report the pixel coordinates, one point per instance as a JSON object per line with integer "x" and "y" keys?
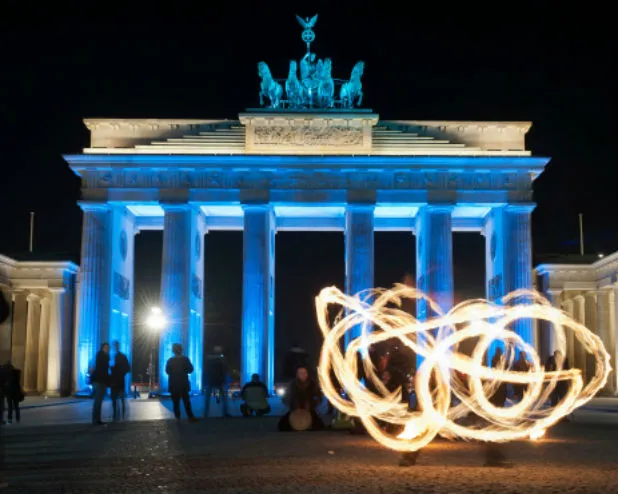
{"x": 439, "y": 377}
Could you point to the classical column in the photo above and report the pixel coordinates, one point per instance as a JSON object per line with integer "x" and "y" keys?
{"x": 434, "y": 259}
{"x": 581, "y": 313}
{"x": 41, "y": 381}
{"x": 18, "y": 341}
{"x": 94, "y": 290}
{"x": 258, "y": 294}
{"x": 195, "y": 345}
{"x": 606, "y": 330}
{"x": 569, "y": 307}
{"x": 359, "y": 253}
{"x": 175, "y": 283}
{"x": 518, "y": 259}
{"x": 58, "y": 349}
{"x": 6, "y": 329}
{"x": 548, "y": 336}
{"x": 32, "y": 343}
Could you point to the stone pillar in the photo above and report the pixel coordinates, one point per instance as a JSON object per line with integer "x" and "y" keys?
{"x": 581, "y": 313}
{"x": 258, "y": 294}
{"x": 548, "y": 336}
{"x": 359, "y": 254}
{"x": 32, "y": 343}
{"x": 569, "y": 308}
{"x": 434, "y": 259}
{"x": 94, "y": 290}
{"x": 121, "y": 267}
{"x": 195, "y": 346}
{"x": 41, "y": 381}
{"x": 58, "y": 349}
{"x": 518, "y": 259}
{"x": 175, "y": 283}
{"x": 18, "y": 341}
{"x": 606, "y": 331}
{"x": 6, "y": 329}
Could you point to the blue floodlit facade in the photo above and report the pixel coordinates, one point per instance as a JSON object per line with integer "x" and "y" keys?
{"x": 281, "y": 170}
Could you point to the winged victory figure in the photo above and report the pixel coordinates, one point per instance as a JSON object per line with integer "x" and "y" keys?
{"x": 307, "y": 23}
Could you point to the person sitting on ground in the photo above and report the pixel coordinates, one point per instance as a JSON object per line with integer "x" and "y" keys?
{"x": 255, "y": 395}
{"x": 178, "y": 369}
{"x": 302, "y": 394}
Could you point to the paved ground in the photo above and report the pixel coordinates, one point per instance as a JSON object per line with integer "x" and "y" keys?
{"x": 249, "y": 456}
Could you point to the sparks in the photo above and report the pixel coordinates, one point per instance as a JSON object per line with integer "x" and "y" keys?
{"x": 438, "y": 378}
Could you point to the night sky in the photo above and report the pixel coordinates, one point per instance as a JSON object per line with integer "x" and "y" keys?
{"x": 557, "y": 73}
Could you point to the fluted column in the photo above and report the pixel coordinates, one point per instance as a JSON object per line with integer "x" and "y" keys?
{"x": 518, "y": 260}
{"x": 434, "y": 259}
{"x": 359, "y": 253}
{"x": 175, "y": 283}
{"x": 58, "y": 349}
{"x": 18, "y": 341}
{"x": 608, "y": 329}
{"x": 548, "y": 333}
{"x": 195, "y": 346}
{"x": 94, "y": 289}
{"x": 41, "y": 381}
{"x": 569, "y": 307}
{"x": 32, "y": 343}
{"x": 581, "y": 313}
{"x": 258, "y": 294}
{"x": 6, "y": 329}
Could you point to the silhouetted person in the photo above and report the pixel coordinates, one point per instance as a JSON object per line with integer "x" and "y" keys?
{"x": 4, "y": 380}
{"x": 178, "y": 369}
{"x": 255, "y": 395}
{"x": 100, "y": 380}
{"x": 216, "y": 379}
{"x": 520, "y": 365}
{"x": 303, "y": 393}
{"x": 117, "y": 382}
{"x": 295, "y": 357}
{"x": 555, "y": 363}
{"x": 494, "y": 453}
{"x": 13, "y": 392}
{"x": 5, "y": 311}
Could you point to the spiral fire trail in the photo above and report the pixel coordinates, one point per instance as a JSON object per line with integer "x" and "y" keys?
{"x": 438, "y": 378}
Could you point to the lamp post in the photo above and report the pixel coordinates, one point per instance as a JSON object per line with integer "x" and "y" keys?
{"x": 156, "y": 322}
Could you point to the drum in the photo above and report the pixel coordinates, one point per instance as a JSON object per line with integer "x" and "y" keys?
{"x": 300, "y": 420}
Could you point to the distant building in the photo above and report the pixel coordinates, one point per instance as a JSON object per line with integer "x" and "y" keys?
{"x": 586, "y": 287}
{"x": 38, "y": 337}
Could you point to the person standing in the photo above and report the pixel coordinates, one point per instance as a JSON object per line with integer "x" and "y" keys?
{"x": 100, "y": 381}
{"x": 117, "y": 382}
{"x": 178, "y": 369}
{"x": 216, "y": 379}
{"x": 5, "y": 311}
{"x": 520, "y": 365}
{"x": 14, "y": 393}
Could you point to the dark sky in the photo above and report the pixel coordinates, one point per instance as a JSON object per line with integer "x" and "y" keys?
{"x": 556, "y": 72}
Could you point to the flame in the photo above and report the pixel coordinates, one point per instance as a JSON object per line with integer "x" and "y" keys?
{"x": 439, "y": 376}
{"x": 537, "y": 434}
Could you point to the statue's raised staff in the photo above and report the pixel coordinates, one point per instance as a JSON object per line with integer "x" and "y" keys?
{"x": 351, "y": 92}
{"x": 269, "y": 88}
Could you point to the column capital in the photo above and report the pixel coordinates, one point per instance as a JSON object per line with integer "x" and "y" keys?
{"x": 364, "y": 206}
{"x": 175, "y": 206}
{"x": 520, "y": 208}
{"x": 442, "y": 207}
{"x": 90, "y": 206}
{"x": 257, "y": 206}
{"x": 33, "y": 297}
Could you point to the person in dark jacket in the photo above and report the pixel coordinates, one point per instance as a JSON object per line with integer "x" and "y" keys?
{"x": 216, "y": 380}
{"x": 302, "y": 393}
{"x": 117, "y": 380}
{"x": 520, "y": 365}
{"x": 555, "y": 363}
{"x": 100, "y": 382}
{"x": 255, "y": 395}
{"x": 178, "y": 369}
{"x": 13, "y": 392}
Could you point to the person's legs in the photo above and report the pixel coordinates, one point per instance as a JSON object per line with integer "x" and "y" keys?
{"x": 223, "y": 392}
{"x": 264, "y": 411}
{"x": 284, "y": 423}
{"x": 123, "y": 404}
{"x": 245, "y": 410}
{"x": 9, "y": 416}
{"x": 176, "y": 404}
{"x": 16, "y": 408}
{"x": 316, "y": 421}
{"x": 186, "y": 399}
{"x": 99, "y": 393}
{"x": 114, "y": 397}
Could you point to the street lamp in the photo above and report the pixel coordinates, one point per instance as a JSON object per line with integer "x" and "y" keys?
{"x": 156, "y": 322}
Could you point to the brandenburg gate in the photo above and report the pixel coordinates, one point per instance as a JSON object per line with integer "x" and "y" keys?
{"x": 311, "y": 162}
